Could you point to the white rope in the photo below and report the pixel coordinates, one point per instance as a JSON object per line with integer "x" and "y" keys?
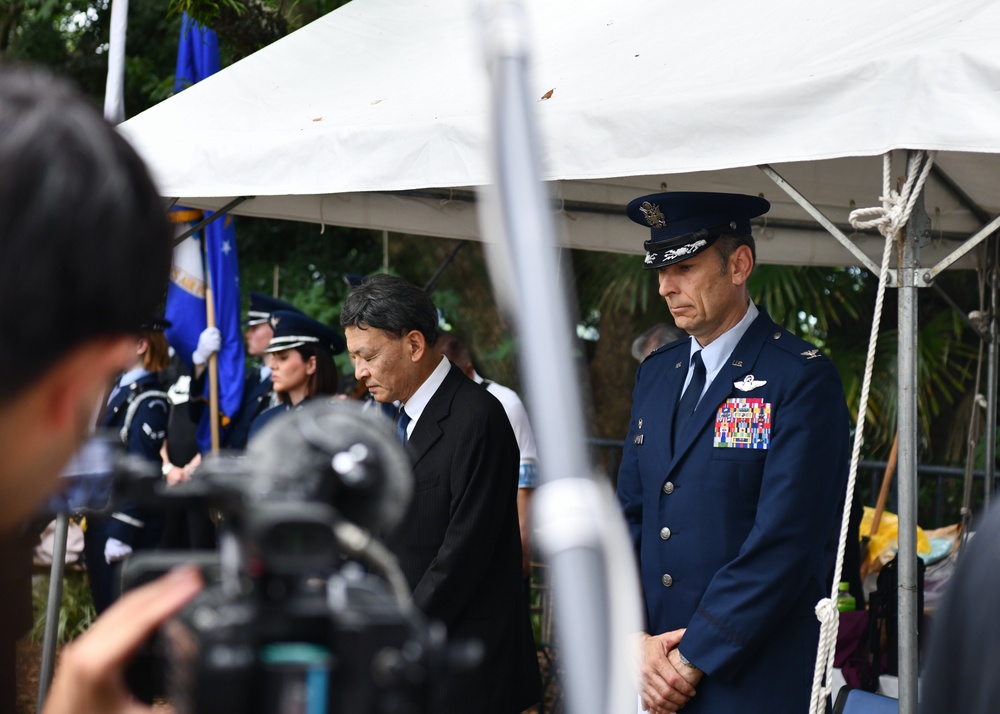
{"x": 889, "y": 219}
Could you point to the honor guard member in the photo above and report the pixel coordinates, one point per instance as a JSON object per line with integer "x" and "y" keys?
{"x": 258, "y": 394}
{"x": 138, "y": 410}
{"x": 302, "y": 364}
{"x": 733, "y": 474}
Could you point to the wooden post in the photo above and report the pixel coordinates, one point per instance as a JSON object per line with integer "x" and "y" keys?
{"x": 883, "y": 496}
{"x": 213, "y": 361}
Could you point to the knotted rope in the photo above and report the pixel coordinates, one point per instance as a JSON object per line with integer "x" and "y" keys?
{"x": 890, "y": 218}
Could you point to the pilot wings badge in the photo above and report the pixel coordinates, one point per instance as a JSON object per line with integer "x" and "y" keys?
{"x": 748, "y": 383}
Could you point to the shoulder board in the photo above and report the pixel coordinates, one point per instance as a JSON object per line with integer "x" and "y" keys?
{"x": 796, "y": 346}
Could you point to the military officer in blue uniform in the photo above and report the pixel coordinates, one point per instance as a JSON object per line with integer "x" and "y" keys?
{"x": 258, "y": 391}
{"x": 733, "y": 474}
{"x": 302, "y": 365}
{"x": 138, "y": 411}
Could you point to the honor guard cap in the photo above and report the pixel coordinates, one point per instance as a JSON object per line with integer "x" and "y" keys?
{"x": 294, "y": 329}
{"x": 261, "y": 307}
{"x": 682, "y": 224}
{"x": 155, "y": 324}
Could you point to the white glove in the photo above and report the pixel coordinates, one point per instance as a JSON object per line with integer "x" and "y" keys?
{"x": 115, "y": 550}
{"x": 209, "y": 342}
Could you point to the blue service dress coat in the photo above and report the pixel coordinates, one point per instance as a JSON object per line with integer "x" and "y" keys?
{"x": 255, "y": 401}
{"x": 256, "y": 398}
{"x": 269, "y": 415}
{"x": 140, "y": 528}
{"x": 736, "y": 530}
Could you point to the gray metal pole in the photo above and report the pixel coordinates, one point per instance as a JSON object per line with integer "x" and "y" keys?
{"x": 991, "y": 382}
{"x": 50, "y": 639}
{"x": 916, "y": 232}
{"x": 558, "y": 423}
{"x": 582, "y": 534}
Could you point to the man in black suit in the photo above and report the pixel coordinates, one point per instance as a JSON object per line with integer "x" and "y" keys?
{"x": 459, "y": 544}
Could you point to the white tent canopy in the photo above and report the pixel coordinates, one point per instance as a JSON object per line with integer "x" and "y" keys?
{"x": 375, "y": 116}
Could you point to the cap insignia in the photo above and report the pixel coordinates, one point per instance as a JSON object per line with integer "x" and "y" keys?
{"x": 654, "y": 217}
{"x": 274, "y": 321}
{"x": 684, "y": 249}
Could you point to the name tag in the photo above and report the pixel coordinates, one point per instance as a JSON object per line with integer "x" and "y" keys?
{"x": 743, "y": 423}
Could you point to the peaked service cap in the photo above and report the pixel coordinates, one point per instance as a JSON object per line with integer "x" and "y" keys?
{"x": 294, "y": 329}
{"x": 683, "y": 224}
{"x": 262, "y": 305}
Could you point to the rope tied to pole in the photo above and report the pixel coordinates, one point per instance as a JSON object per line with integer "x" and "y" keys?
{"x": 889, "y": 219}
{"x": 892, "y": 215}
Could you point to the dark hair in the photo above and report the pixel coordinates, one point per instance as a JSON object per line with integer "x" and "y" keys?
{"x": 728, "y": 243}
{"x": 454, "y": 348}
{"x": 389, "y": 303}
{"x": 84, "y": 241}
{"x": 325, "y": 379}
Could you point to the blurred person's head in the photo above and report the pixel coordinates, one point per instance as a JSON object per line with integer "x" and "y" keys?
{"x": 259, "y": 333}
{"x": 153, "y": 347}
{"x": 86, "y": 254}
{"x": 391, "y": 328}
{"x": 655, "y": 337}
{"x": 454, "y": 348}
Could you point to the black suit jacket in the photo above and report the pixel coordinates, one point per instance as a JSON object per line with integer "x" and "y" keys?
{"x": 460, "y": 548}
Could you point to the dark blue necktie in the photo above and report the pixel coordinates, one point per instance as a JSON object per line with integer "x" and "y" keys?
{"x": 689, "y": 400}
{"x": 403, "y": 421}
{"x": 114, "y": 390}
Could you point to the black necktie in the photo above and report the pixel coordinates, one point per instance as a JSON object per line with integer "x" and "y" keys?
{"x": 689, "y": 400}
{"x": 404, "y": 421}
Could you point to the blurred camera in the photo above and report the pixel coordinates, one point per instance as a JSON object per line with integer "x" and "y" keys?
{"x": 86, "y": 483}
{"x": 305, "y": 611}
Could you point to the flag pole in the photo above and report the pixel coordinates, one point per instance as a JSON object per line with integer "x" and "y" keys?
{"x": 213, "y": 360}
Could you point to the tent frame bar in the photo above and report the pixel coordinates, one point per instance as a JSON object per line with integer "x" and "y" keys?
{"x": 570, "y": 207}
{"x": 820, "y": 218}
{"x": 984, "y": 233}
{"x": 208, "y": 219}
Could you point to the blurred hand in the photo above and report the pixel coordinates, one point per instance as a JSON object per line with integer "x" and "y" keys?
{"x": 176, "y": 475}
{"x": 90, "y": 677}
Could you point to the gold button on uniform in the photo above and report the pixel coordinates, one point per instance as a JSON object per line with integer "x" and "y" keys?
{"x": 667, "y": 580}
{"x": 668, "y": 487}
{"x": 665, "y": 533}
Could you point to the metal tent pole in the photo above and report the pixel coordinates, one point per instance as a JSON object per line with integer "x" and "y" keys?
{"x": 917, "y": 231}
{"x": 991, "y": 381}
{"x": 50, "y": 638}
{"x": 582, "y": 537}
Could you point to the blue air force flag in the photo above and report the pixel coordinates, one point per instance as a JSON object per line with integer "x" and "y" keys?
{"x": 198, "y": 58}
